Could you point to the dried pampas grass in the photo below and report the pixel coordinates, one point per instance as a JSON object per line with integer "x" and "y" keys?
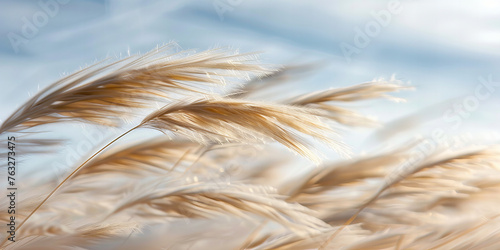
{"x": 104, "y": 94}
{"x": 220, "y": 176}
{"x": 227, "y": 120}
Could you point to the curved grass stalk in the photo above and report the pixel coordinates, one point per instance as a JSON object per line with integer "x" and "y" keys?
{"x": 69, "y": 177}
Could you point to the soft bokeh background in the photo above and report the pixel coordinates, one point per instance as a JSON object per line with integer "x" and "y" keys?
{"x": 441, "y": 47}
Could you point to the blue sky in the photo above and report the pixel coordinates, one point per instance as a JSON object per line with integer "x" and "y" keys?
{"x": 441, "y": 47}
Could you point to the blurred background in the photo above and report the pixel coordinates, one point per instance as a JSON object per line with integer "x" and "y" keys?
{"x": 448, "y": 50}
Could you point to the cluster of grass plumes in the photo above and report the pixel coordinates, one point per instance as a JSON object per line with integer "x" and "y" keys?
{"x": 216, "y": 177}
